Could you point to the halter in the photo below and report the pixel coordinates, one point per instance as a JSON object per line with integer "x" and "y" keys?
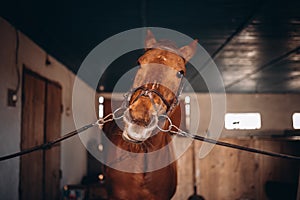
{"x": 147, "y": 92}
{"x": 150, "y": 81}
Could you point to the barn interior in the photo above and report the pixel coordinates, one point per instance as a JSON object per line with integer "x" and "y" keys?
{"x": 255, "y": 48}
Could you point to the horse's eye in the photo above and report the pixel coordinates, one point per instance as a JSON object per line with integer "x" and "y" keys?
{"x": 180, "y": 74}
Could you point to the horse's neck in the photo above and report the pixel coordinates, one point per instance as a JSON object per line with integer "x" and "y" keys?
{"x": 158, "y": 141}
{"x": 139, "y": 156}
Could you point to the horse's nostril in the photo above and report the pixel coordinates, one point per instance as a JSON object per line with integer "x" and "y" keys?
{"x": 140, "y": 122}
{"x": 140, "y": 117}
{"x": 136, "y": 130}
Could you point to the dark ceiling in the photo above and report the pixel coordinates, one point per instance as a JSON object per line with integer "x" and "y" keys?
{"x": 255, "y": 44}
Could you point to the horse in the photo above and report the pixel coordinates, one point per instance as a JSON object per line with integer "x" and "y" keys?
{"x": 149, "y": 103}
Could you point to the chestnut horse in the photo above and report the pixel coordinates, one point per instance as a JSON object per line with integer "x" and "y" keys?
{"x": 144, "y": 176}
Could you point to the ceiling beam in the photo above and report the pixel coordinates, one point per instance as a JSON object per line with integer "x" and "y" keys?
{"x": 265, "y": 66}
{"x": 237, "y": 31}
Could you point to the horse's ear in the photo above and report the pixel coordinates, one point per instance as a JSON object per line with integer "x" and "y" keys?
{"x": 188, "y": 51}
{"x": 150, "y": 40}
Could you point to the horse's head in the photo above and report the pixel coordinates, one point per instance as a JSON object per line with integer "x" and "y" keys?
{"x": 156, "y": 86}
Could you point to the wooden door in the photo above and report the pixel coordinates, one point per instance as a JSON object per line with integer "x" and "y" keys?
{"x": 52, "y": 131}
{"x": 33, "y": 116}
{"x": 41, "y": 122}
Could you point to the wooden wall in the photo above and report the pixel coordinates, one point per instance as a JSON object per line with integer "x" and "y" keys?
{"x": 73, "y": 153}
{"x": 232, "y": 174}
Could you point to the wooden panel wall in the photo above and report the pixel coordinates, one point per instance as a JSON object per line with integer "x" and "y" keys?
{"x": 185, "y": 176}
{"x": 232, "y": 174}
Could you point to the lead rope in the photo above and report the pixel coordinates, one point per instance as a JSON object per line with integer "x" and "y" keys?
{"x": 180, "y": 132}
{"x": 117, "y": 114}
{"x": 47, "y": 145}
{"x": 110, "y": 117}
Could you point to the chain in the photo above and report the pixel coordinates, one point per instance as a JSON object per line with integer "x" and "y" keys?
{"x": 172, "y": 128}
{"x": 118, "y": 114}
{"x": 175, "y": 130}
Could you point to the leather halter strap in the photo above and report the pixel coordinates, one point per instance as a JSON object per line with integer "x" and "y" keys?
{"x": 147, "y": 91}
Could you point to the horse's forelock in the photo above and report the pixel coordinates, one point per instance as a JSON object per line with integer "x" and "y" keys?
{"x": 167, "y": 45}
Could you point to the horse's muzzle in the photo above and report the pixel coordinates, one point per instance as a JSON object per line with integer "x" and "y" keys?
{"x": 136, "y": 133}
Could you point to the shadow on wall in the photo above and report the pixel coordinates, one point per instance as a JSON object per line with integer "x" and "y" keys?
{"x": 280, "y": 190}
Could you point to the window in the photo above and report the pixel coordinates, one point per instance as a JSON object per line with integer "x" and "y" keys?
{"x": 187, "y": 102}
{"x": 246, "y": 121}
{"x": 101, "y": 107}
{"x": 296, "y": 120}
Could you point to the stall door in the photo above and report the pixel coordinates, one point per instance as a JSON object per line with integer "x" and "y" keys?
{"x": 41, "y": 122}
{"x": 52, "y": 131}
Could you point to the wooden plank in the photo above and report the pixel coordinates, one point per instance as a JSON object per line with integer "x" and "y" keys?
{"x": 31, "y": 169}
{"x": 53, "y": 131}
{"x": 232, "y": 174}
{"x": 184, "y": 175}
{"x": 275, "y": 172}
{"x": 224, "y": 171}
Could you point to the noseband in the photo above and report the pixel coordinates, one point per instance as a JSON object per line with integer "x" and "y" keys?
{"x": 148, "y": 93}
